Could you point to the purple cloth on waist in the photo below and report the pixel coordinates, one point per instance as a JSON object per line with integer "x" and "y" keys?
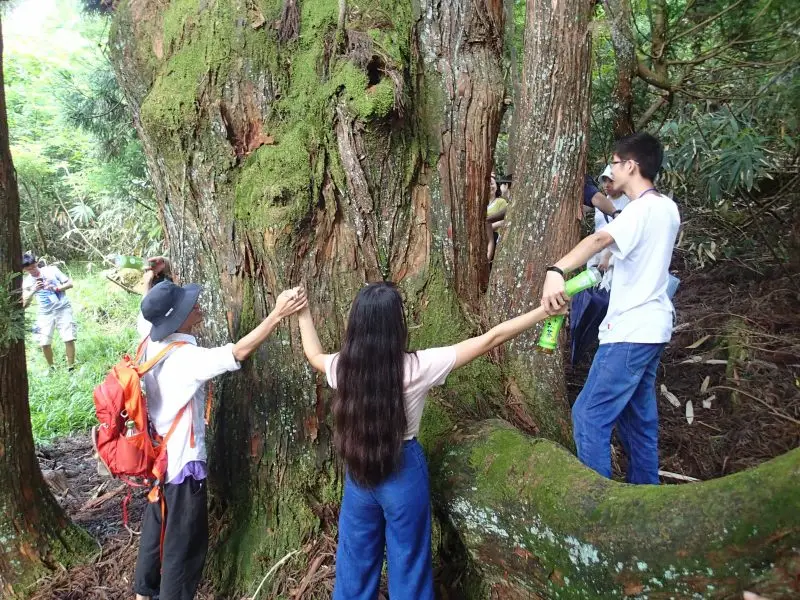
{"x": 195, "y": 469}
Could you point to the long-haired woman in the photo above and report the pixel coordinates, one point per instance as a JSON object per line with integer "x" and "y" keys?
{"x": 381, "y": 389}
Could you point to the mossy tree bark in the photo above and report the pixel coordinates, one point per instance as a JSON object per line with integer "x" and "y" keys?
{"x": 538, "y": 525}
{"x": 333, "y": 143}
{"x": 35, "y": 535}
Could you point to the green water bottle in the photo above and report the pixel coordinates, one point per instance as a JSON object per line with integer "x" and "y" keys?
{"x": 129, "y": 262}
{"x": 548, "y": 339}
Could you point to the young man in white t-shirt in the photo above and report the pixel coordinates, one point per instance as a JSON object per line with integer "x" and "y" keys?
{"x": 620, "y": 389}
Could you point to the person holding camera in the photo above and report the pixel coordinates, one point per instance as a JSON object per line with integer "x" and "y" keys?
{"x": 49, "y": 285}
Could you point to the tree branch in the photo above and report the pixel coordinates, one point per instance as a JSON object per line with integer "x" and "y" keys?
{"x": 708, "y": 21}
{"x": 650, "y": 77}
{"x": 650, "y": 112}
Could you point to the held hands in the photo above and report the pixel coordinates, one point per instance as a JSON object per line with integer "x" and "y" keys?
{"x": 554, "y": 298}
{"x": 290, "y": 301}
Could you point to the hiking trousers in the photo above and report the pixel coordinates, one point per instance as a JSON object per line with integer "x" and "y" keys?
{"x": 395, "y": 515}
{"x": 620, "y": 390}
{"x": 185, "y": 543}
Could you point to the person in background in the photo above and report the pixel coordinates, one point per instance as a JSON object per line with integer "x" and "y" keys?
{"x": 593, "y": 198}
{"x": 158, "y": 269}
{"x": 603, "y": 259}
{"x": 381, "y": 391}
{"x": 620, "y": 389}
{"x": 179, "y": 381}
{"x": 49, "y": 285}
{"x": 496, "y": 211}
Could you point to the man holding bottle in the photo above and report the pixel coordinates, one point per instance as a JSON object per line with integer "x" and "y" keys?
{"x": 620, "y": 388}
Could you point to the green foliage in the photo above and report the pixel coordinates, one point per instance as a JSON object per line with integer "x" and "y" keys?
{"x": 61, "y": 401}
{"x": 94, "y": 103}
{"x": 82, "y": 176}
{"x": 727, "y": 111}
{"x": 719, "y": 155}
{"x": 12, "y": 317}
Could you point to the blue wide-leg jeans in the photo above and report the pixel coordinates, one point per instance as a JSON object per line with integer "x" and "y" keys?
{"x": 395, "y": 515}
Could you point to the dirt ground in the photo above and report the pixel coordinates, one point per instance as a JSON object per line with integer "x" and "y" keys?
{"x": 736, "y": 346}
{"x": 95, "y": 503}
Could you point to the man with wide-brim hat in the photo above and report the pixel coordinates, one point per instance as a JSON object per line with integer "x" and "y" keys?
{"x": 179, "y": 381}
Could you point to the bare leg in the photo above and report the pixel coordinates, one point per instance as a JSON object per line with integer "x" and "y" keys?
{"x": 140, "y": 597}
{"x": 48, "y": 354}
{"x": 70, "y": 347}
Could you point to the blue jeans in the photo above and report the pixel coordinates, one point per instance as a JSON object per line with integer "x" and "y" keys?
{"x": 395, "y": 514}
{"x": 621, "y": 391}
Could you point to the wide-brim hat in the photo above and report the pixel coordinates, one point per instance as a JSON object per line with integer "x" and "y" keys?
{"x": 167, "y": 306}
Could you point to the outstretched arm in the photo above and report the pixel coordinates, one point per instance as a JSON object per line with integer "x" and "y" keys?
{"x": 470, "y": 349}
{"x": 288, "y": 303}
{"x": 554, "y": 298}
{"x": 311, "y": 346}
{"x": 604, "y": 203}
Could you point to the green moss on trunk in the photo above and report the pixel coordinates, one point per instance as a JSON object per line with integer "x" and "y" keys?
{"x": 536, "y": 521}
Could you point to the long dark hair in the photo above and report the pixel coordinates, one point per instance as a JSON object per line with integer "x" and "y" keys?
{"x": 369, "y": 413}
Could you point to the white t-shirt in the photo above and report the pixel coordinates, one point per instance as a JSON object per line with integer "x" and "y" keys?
{"x": 172, "y": 383}
{"x": 422, "y": 371}
{"x": 48, "y": 300}
{"x": 639, "y": 309}
{"x": 600, "y": 218}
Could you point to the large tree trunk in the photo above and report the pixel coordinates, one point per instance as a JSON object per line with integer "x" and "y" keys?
{"x": 550, "y": 142}
{"x": 353, "y": 148}
{"x": 35, "y": 535}
{"x": 333, "y": 143}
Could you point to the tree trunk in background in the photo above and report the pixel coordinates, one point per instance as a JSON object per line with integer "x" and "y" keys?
{"x": 658, "y": 33}
{"x": 550, "y": 143}
{"x": 334, "y": 143}
{"x": 35, "y": 535}
{"x": 620, "y": 19}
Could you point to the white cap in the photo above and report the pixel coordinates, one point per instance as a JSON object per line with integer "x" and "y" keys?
{"x": 607, "y": 173}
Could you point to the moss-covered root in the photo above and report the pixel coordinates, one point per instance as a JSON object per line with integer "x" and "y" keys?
{"x": 536, "y": 523}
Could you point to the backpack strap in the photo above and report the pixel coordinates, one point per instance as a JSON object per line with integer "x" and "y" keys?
{"x": 146, "y": 366}
{"x": 165, "y": 439}
{"x": 140, "y": 350}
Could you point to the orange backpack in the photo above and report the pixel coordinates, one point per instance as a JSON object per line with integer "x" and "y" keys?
{"x": 124, "y": 441}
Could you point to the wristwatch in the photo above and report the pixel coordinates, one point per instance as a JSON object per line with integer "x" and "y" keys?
{"x": 555, "y": 269}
